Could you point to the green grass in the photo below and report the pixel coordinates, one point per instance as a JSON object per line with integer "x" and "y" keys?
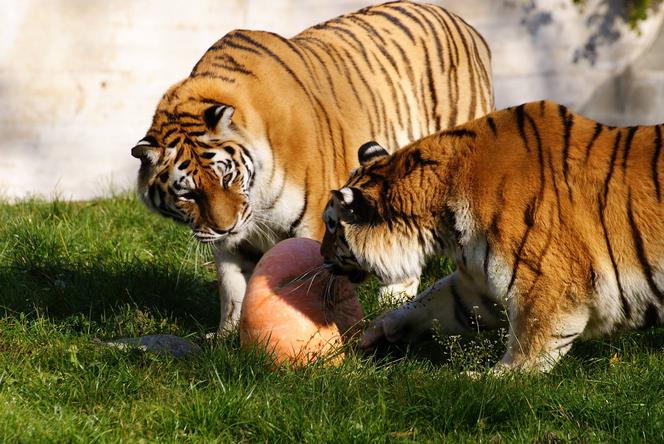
{"x": 71, "y": 273}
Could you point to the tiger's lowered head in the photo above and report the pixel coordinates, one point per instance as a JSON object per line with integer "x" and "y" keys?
{"x": 362, "y": 223}
{"x": 200, "y": 176}
{"x": 554, "y": 221}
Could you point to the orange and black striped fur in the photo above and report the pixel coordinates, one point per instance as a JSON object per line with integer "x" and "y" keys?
{"x": 246, "y": 149}
{"x": 555, "y": 223}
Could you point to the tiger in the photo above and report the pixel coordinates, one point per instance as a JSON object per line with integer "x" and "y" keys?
{"x": 554, "y": 222}
{"x": 245, "y": 150}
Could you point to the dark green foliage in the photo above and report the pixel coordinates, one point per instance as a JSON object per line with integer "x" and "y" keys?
{"x": 635, "y": 11}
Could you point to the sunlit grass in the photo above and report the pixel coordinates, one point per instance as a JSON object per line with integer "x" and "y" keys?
{"x": 74, "y": 273}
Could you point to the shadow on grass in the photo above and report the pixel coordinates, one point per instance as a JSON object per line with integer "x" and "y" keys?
{"x": 67, "y": 290}
{"x": 482, "y": 351}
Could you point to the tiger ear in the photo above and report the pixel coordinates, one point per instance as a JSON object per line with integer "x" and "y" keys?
{"x": 147, "y": 150}
{"x": 218, "y": 117}
{"x": 370, "y": 151}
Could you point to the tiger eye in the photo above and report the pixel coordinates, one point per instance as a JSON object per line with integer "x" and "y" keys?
{"x": 331, "y": 225}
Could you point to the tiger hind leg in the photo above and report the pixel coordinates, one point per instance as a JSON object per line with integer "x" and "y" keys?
{"x": 537, "y": 345}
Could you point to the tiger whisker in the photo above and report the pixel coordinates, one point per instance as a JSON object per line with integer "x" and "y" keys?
{"x": 203, "y": 250}
{"x": 198, "y": 246}
{"x": 268, "y": 233}
{"x": 303, "y": 277}
{"x": 297, "y": 288}
{"x": 260, "y": 217}
{"x": 312, "y": 280}
{"x": 329, "y": 293}
{"x": 261, "y": 229}
{"x": 304, "y": 282}
{"x": 252, "y": 243}
{"x": 190, "y": 241}
{"x": 269, "y": 224}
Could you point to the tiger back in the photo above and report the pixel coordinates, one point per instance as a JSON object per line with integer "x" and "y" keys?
{"x": 246, "y": 149}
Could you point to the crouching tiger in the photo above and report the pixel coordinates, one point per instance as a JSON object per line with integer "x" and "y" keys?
{"x": 554, "y": 221}
{"x": 246, "y": 149}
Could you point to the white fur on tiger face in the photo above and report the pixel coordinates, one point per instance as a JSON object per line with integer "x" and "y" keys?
{"x": 351, "y": 248}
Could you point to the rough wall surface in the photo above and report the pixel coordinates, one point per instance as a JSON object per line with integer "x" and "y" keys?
{"x": 635, "y": 96}
{"x": 79, "y": 79}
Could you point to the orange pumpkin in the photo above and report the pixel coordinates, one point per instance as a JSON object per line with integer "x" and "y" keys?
{"x": 291, "y": 319}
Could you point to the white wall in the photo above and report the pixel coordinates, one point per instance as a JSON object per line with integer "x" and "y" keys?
{"x": 79, "y": 79}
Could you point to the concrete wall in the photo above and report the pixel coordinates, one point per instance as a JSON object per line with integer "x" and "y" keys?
{"x": 79, "y": 79}
{"x": 636, "y": 95}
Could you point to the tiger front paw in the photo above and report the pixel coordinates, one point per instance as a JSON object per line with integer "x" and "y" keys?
{"x": 397, "y": 326}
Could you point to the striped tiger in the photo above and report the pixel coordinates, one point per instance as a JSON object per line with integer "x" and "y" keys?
{"x": 554, "y": 221}
{"x": 246, "y": 149}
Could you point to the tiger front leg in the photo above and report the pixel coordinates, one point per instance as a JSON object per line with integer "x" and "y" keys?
{"x": 233, "y": 273}
{"x": 399, "y": 293}
{"x": 454, "y": 303}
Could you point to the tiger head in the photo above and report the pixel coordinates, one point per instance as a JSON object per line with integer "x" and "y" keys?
{"x": 352, "y": 212}
{"x": 195, "y": 167}
{"x": 382, "y": 221}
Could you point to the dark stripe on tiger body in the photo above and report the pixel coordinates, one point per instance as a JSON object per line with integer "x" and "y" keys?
{"x": 439, "y": 53}
{"x": 641, "y": 252}
{"x": 628, "y": 146}
{"x": 602, "y": 206}
{"x": 492, "y": 125}
{"x": 298, "y": 220}
{"x": 529, "y": 222}
{"x": 556, "y": 189}
{"x": 540, "y": 154}
{"x": 596, "y": 133}
{"x": 306, "y": 44}
{"x": 394, "y": 95}
{"x": 395, "y": 21}
{"x": 655, "y": 161}
{"x": 567, "y": 122}
{"x": 612, "y": 164}
{"x": 344, "y": 33}
{"x": 472, "y": 111}
{"x": 453, "y": 62}
{"x": 432, "y": 90}
{"x": 520, "y": 123}
{"x": 347, "y": 59}
{"x": 651, "y": 317}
